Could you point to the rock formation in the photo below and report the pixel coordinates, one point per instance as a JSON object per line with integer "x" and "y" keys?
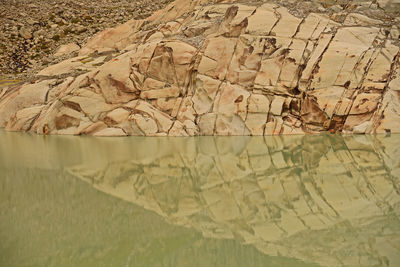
{"x": 205, "y": 67}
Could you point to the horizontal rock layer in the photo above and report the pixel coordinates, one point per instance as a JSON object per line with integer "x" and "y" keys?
{"x": 219, "y": 68}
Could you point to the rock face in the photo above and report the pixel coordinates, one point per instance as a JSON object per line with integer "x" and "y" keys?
{"x": 220, "y": 68}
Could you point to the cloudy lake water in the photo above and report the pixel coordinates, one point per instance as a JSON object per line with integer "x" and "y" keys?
{"x": 322, "y": 200}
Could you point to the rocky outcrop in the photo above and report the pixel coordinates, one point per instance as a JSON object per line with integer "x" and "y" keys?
{"x": 221, "y": 68}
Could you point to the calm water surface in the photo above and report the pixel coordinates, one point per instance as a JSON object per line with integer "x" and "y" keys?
{"x": 207, "y": 201}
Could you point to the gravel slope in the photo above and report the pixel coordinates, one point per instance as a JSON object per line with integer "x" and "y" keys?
{"x": 32, "y": 30}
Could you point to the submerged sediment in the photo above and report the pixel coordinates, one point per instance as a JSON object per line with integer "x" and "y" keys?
{"x": 222, "y": 68}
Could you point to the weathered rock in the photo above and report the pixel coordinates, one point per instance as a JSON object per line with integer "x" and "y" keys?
{"x": 25, "y": 33}
{"x": 66, "y": 49}
{"x": 223, "y": 68}
{"x": 110, "y": 132}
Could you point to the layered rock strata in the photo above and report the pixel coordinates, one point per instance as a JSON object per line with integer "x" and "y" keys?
{"x": 220, "y": 68}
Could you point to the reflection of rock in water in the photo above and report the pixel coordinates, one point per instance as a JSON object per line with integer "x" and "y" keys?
{"x": 329, "y": 200}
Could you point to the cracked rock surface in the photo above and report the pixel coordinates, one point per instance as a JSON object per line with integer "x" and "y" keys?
{"x": 205, "y": 67}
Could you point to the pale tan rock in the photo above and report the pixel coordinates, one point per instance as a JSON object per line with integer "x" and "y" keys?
{"x": 173, "y": 11}
{"x": 67, "y": 66}
{"x": 357, "y": 121}
{"x": 309, "y": 26}
{"x": 152, "y": 84}
{"x": 344, "y": 107}
{"x": 233, "y": 100}
{"x": 217, "y": 55}
{"x": 155, "y": 36}
{"x": 362, "y": 128}
{"x": 62, "y": 89}
{"x": 277, "y": 105}
{"x": 172, "y": 91}
{"x": 380, "y": 69}
{"x": 176, "y": 107}
{"x": 258, "y": 103}
{"x": 230, "y": 125}
{"x": 255, "y": 122}
{"x": 67, "y": 121}
{"x": 273, "y": 127}
{"x": 111, "y": 39}
{"x": 340, "y": 58}
{"x": 324, "y": 41}
{"x": 395, "y": 84}
{"x": 365, "y": 103}
{"x": 170, "y": 28}
{"x": 161, "y": 66}
{"x": 206, "y": 89}
{"x": 27, "y": 96}
{"x": 118, "y": 115}
{"x": 287, "y": 24}
{"x": 131, "y": 105}
{"x": 246, "y": 60}
{"x": 166, "y": 104}
{"x": 207, "y": 124}
{"x": 290, "y": 69}
{"x": 89, "y": 102}
{"x": 114, "y": 81}
{"x": 262, "y": 21}
{"x": 143, "y": 55}
{"x": 178, "y": 129}
{"x": 90, "y": 128}
{"x": 395, "y": 33}
{"x": 202, "y": 67}
{"x": 163, "y": 120}
{"x": 186, "y": 110}
{"x": 110, "y": 132}
{"x": 182, "y": 52}
{"x": 146, "y": 124}
{"x": 191, "y": 128}
{"x": 243, "y": 12}
{"x": 328, "y": 99}
{"x": 23, "y": 119}
{"x": 66, "y": 49}
{"x": 390, "y": 123}
{"x": 355, "y": 19}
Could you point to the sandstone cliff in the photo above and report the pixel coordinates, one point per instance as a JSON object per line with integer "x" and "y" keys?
{"x": 205, "y": 67}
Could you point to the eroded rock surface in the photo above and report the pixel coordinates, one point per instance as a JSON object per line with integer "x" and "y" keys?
{"x": 221, "y": 68}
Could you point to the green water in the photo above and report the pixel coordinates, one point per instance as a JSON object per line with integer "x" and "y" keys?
{"x": 207, "y": 201}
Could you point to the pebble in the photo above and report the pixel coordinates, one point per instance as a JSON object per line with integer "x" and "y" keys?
{"x": 25, "y": 33}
